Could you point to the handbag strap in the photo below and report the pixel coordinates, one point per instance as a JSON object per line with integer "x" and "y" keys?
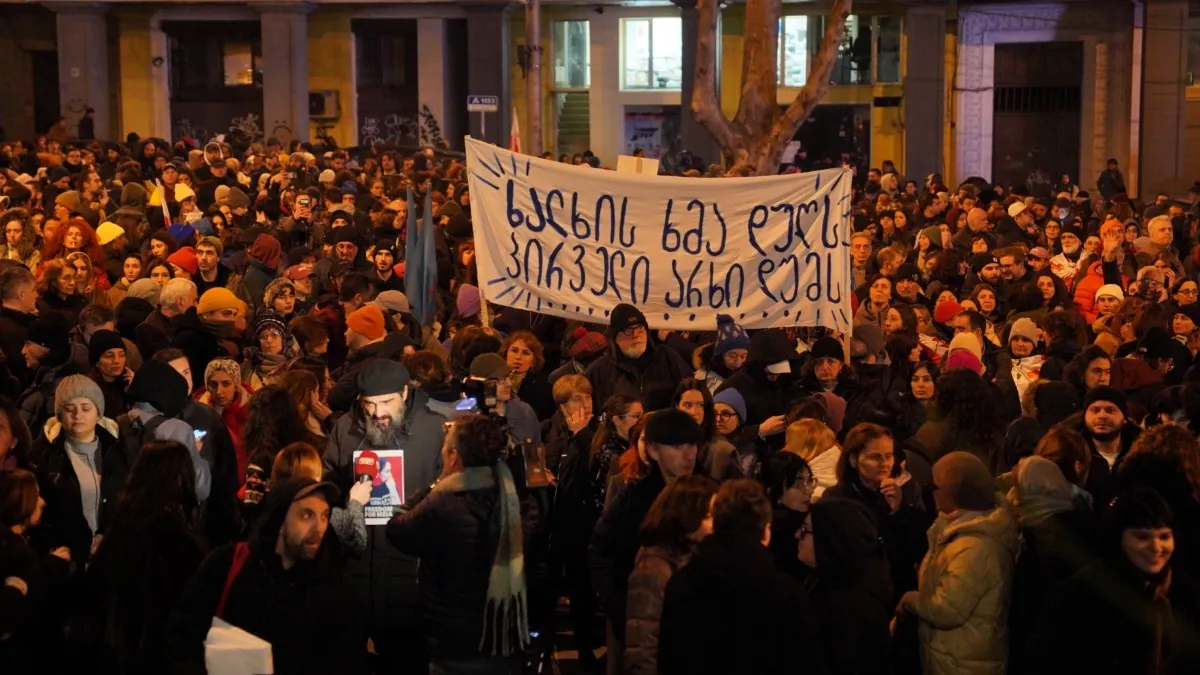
{"x": 241, "y": 551}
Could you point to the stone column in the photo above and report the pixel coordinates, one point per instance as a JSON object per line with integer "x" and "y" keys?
{"x": 1164, "y": 98}
{"x": 285, "y": 70}
{"x": 433, "y": 75}
{"x": 145, "y": 89}
{"x": 83, "y": 66}
{"x": 695, "y": 138}
{"x": 489, "y": 69}
{"x": 924, "y": 92}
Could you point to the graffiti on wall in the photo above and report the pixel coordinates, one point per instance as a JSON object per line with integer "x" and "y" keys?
{"x": 247, "y": 128}
{"x": 422, "y": 128}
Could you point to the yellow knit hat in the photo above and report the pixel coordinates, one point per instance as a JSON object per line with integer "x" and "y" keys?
{"x": 216, "y": 299}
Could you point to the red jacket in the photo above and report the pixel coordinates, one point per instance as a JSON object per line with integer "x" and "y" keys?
{"x": 234, "y": 415}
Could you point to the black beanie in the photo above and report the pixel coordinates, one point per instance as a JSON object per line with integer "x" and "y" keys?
{"x": 102, "y": 341}
{"x": 625, "y": 316}
{"x": 673, "y": 427}
{"x": 1109, "y": 394}
{"x": 827, "y": 348}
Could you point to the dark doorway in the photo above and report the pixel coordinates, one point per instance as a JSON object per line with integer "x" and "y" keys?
{"x": 46, "y": 106}
{"x": 834, "y": 135}
{"x": 386, "y": 64}
{"x": 1036, "y": 122}
{"x": 216, "y": 80}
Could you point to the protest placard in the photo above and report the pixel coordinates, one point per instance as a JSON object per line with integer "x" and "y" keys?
{"x": 385, "y": 470}
{"x": 574, "y": 242}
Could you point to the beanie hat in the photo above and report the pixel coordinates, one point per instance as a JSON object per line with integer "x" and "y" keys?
{"x": 327, "y": 176}
{"x": 626, "y": 316}
{"x": 732, "y": 398}
{"x": 102, "y": 341}
{"x": 185, "y": 258}
{"x": 1023, "y": 327}
{"x": 56, "y": 173}
{"x": 673, "y": 427}
{"x": 982, "y": 260}
{"x": 968, "y": 342}
{"x": 467, "y": 303}
{"x": 161, "y": 386}
{"x": 214, "y": 242}
{"x": 393, "y": 301}
{"x": 108, "y": 232}
{"x": 265, "y": 250}
{"x": 220, "y": 193}
{"x": 215, "y": 299}
{"x": 145, "y": 289}
{"x": 827, "y": 348}
{"x": 908, "y": 272}
{"x": 844, "y": 533}
{"x": 77, "y": 386}
{"x": 1111, "y": 290}
{"x": 368, "y": 322}
{"x": 350, "y": 188}
{"x": 1108, "y": 394}
{"x": 298, "y": 272}
{"x": 377, "y": 377}
{"x": 267, "y": 319}
{"x": 587, "y": 344}
{"x": 227, "y": 366}
{"x": 730, "y": 336}
{"x": 1072, "y": 227}
{"x": 946, "y": 311}
{"x": 181, "y": 232}
{"x": 964, "y": 359}
{"x": 68, "y": 199}
{"x": 183, "y": 192}
{"x": 236, "y": 199}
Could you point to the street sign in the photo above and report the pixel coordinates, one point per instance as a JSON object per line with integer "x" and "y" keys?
{"x": 483, "y": 104}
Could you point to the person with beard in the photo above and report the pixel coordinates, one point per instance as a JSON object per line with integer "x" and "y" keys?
{"x": 285, "y": 585}
{"x": 389, "y": 414}
{"x": 1066, "y": 264}
{"x": 908, "y": 286}
{"x": 672, "y": 440}
{"x": 635, "y": 364}
{"x": 346, "y": 243}
{"x": 383, "y": 258}
{"x": 1110, "y": 435}
{"x": 212, "y": 272}
{"x": 764, "y": 383}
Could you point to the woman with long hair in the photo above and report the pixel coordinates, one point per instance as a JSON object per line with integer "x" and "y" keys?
{"x": 620, "y": 414}
{"x": 158, "y": 270}
{"x": 20, "y": 239}
{"x": 56, "y": 291}
{"x": 678, "y": 519}
{"x": 966, "y": 419}
{"x": 305, "y": 391}
{"x": 90, "y": 283}
{"x": 267, "y": 358}
{"x": 147, "y": 556}
{"x": 790, "y": 485}
{"x": 73, "y": 236}
{"x": 718, "y": 457}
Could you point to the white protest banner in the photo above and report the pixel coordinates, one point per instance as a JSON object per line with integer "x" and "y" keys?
{"x": 576, "y": 242}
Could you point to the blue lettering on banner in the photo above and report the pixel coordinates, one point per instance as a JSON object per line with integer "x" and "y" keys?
{"x": 770, "y": 251}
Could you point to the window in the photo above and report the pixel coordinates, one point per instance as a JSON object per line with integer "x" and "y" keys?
{"x": 238, "y": 60}
{"x": 382, "y": 60}
{"x": 793, "y": 51}
{"x": 887, "y": 68}
{"x": 652, "y": 51}
{"x": 572, "y": 54}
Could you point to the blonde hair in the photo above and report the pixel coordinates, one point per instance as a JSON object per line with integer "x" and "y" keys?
{"x": 297, "y": 459}
{"x": 808, "y": 438}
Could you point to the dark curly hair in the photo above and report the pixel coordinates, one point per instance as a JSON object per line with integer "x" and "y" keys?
{"x": 479, "y": 440}
{"x": 272, "y": 423}
{"x": 162, "y": 480}
{"x": 966, "y": 406}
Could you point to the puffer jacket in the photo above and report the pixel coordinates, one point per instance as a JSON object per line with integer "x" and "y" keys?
{"x": 643, "y": 608}
{"x": 1085, "y": 289}
{"x": 962, "y": 599}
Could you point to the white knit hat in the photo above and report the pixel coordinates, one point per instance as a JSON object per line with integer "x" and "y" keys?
{"x": 1111, "y": 290}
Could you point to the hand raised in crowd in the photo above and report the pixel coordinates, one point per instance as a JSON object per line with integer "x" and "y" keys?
{"x": 577, "y": 420}
{"x": 772, "y": 425}
{"x": 1111, "y": 238}
{"x": 891, "y": 492}
{"x": 361, "y": 492}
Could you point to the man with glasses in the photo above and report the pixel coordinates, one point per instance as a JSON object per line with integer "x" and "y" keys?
{"x": 522, "y": 423}
{"x": 1012, "y": 266}
{"x": 388, "y": 414}
{"x": 635, "y": 364}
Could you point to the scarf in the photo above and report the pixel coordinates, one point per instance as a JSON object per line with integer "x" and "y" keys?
{"x": 505, "y": 610}
{"x": 218, "y": 329}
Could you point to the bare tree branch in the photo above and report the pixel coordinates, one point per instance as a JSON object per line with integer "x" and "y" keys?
{"x": 705, "y": 105}
{"x": 818, "y": 80}
{"x": 759, "y": 103}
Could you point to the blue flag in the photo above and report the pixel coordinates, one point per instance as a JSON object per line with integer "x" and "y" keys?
{"x": 420, "y": 266}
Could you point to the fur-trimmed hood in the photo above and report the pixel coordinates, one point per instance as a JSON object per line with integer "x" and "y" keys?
{"x": 53, "y": 427}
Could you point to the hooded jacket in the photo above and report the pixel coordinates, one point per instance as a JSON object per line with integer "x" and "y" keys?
{"x": 305, "y": 612}
{"x": 660, "y": 368}
{"x": 962, "y": 599}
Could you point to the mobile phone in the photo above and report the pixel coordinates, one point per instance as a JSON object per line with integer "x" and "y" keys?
{"x": 303, "y": 201}
{"x": 199, "y": 434}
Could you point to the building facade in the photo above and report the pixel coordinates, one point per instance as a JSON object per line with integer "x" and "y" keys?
{"x": 1006, "y": 91}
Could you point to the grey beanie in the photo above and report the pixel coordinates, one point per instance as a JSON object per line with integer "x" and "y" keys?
{"x": 146, "y": 290}
{"x": 77, "y": 386}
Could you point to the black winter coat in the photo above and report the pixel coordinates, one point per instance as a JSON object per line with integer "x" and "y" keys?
{"x": 659, "y": 370}
{"x": 614, "y": 545}
{"x": 63, "y": 522}
{"x": 14, "y": 329}
{"x": 28, "y": 619}
{"x": 1102, "y": 622}
{"x": 903, "y": 532}
{"x": 729, "y": 610}
{"x": 455, "y": 537}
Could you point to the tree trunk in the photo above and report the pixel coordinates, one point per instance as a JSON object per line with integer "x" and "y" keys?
{"x": 755, "y": 139}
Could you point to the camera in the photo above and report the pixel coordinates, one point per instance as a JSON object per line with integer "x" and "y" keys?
{"x": 479, "y": 395}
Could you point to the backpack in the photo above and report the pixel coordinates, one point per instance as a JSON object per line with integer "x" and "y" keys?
{"x": 135, "y": 433}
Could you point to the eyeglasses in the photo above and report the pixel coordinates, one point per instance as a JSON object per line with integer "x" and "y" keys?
{"x": 1190, "y": 292}
{"x": 630, "y": 416}
{"x": 633, "y": 331}
{"x": 726, "y": 416}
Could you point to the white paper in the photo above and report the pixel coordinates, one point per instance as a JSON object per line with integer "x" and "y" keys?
{"x": 229, "y": 650}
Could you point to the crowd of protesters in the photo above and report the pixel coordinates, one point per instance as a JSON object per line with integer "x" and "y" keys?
{"x": 203, "y": 349}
